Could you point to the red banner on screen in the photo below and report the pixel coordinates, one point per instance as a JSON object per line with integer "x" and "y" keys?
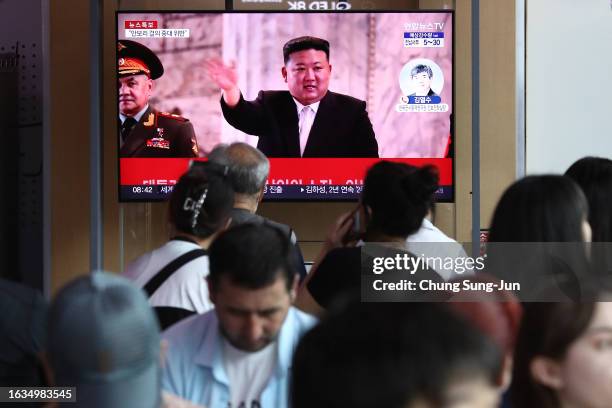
{"x": 282, "y": 171}
{"x": 140, "y": 24}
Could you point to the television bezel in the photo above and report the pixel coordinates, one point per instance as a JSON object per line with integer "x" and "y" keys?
{"x": 452, "y": 129}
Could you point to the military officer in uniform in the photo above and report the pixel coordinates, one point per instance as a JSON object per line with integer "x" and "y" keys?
{"x": 143, "y": 131}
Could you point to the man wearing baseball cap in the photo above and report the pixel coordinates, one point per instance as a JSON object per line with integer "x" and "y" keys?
{"x": 144, "y": 131}
{"x": 103, "y": 340}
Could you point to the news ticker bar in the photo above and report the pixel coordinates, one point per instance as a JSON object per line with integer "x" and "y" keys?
{"x": 300, "y": 171}
{"x": 272, "y": 192}
{"x": 37, "y": 394}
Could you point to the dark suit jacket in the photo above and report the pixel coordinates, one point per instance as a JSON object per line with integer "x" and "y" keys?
{"x": 341, "y": 127}
{"x": 242, "y": 216}
{"x": 430, "y": 93}
{"x": 175, "y": 139}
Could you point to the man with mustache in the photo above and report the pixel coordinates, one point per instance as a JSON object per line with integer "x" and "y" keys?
{"x": 238, "y": 355}
{"x": 308, "y": 120}
{"x": 143, "y": 131}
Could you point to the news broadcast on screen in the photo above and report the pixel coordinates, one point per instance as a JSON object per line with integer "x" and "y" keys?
{"x": 323, "y": 94}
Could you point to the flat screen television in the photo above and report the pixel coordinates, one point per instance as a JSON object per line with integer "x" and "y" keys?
{"x": 392, "y": 71}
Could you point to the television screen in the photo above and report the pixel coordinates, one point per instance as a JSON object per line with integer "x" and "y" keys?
{"x": 323, "y": 94}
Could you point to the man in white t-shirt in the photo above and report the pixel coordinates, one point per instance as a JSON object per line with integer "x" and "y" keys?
{"x": 238, "y": 355}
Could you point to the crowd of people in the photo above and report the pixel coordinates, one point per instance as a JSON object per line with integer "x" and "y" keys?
{"x": 224, "y": 315}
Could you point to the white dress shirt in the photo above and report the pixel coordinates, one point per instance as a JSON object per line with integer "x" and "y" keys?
{"x": 305, "y": 121}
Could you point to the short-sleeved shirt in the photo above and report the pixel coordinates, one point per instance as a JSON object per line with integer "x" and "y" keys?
{"x": 195, "y": 368}
{"x": 186, "y": 288}
{"x": 339, "y": 275}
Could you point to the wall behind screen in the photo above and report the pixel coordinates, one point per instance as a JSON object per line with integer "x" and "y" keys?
{"x": 130, "y": 229}
{"x": 141, "y": 227}
{"x": 569, "y": 86}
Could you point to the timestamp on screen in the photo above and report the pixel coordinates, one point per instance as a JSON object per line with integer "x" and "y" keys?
{"x": 142, "y": 189}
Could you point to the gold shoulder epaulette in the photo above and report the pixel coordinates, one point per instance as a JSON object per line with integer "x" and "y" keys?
{"x": 172, "y": 116}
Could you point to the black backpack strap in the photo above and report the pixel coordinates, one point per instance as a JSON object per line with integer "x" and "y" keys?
{"x": 160, "y": 277}
{"x": 167, "y": 315}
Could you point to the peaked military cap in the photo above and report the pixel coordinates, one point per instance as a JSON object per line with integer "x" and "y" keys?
{"x": 134, "y": 58}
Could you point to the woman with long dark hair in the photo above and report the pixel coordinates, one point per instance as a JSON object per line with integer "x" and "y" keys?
{"x": 594, "y": 176}
{"x": 537, "y": 238}
{"x": 546, "y": 208}
{"x": 396, "y": 198}
{"x": 173, "y": 275}
{"x": 563, "y": 356}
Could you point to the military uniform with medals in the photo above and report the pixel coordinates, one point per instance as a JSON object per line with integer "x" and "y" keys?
{"x": 160, "y": 134}
{"x": 156, "y": 134}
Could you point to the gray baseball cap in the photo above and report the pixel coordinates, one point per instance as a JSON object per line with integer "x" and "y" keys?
{"x": 104, "y": 340}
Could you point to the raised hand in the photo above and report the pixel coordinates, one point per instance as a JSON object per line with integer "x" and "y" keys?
{"x": 224, "y": 75}
{"x": 226, "y": 78}
{"x": 340, "y": 233}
